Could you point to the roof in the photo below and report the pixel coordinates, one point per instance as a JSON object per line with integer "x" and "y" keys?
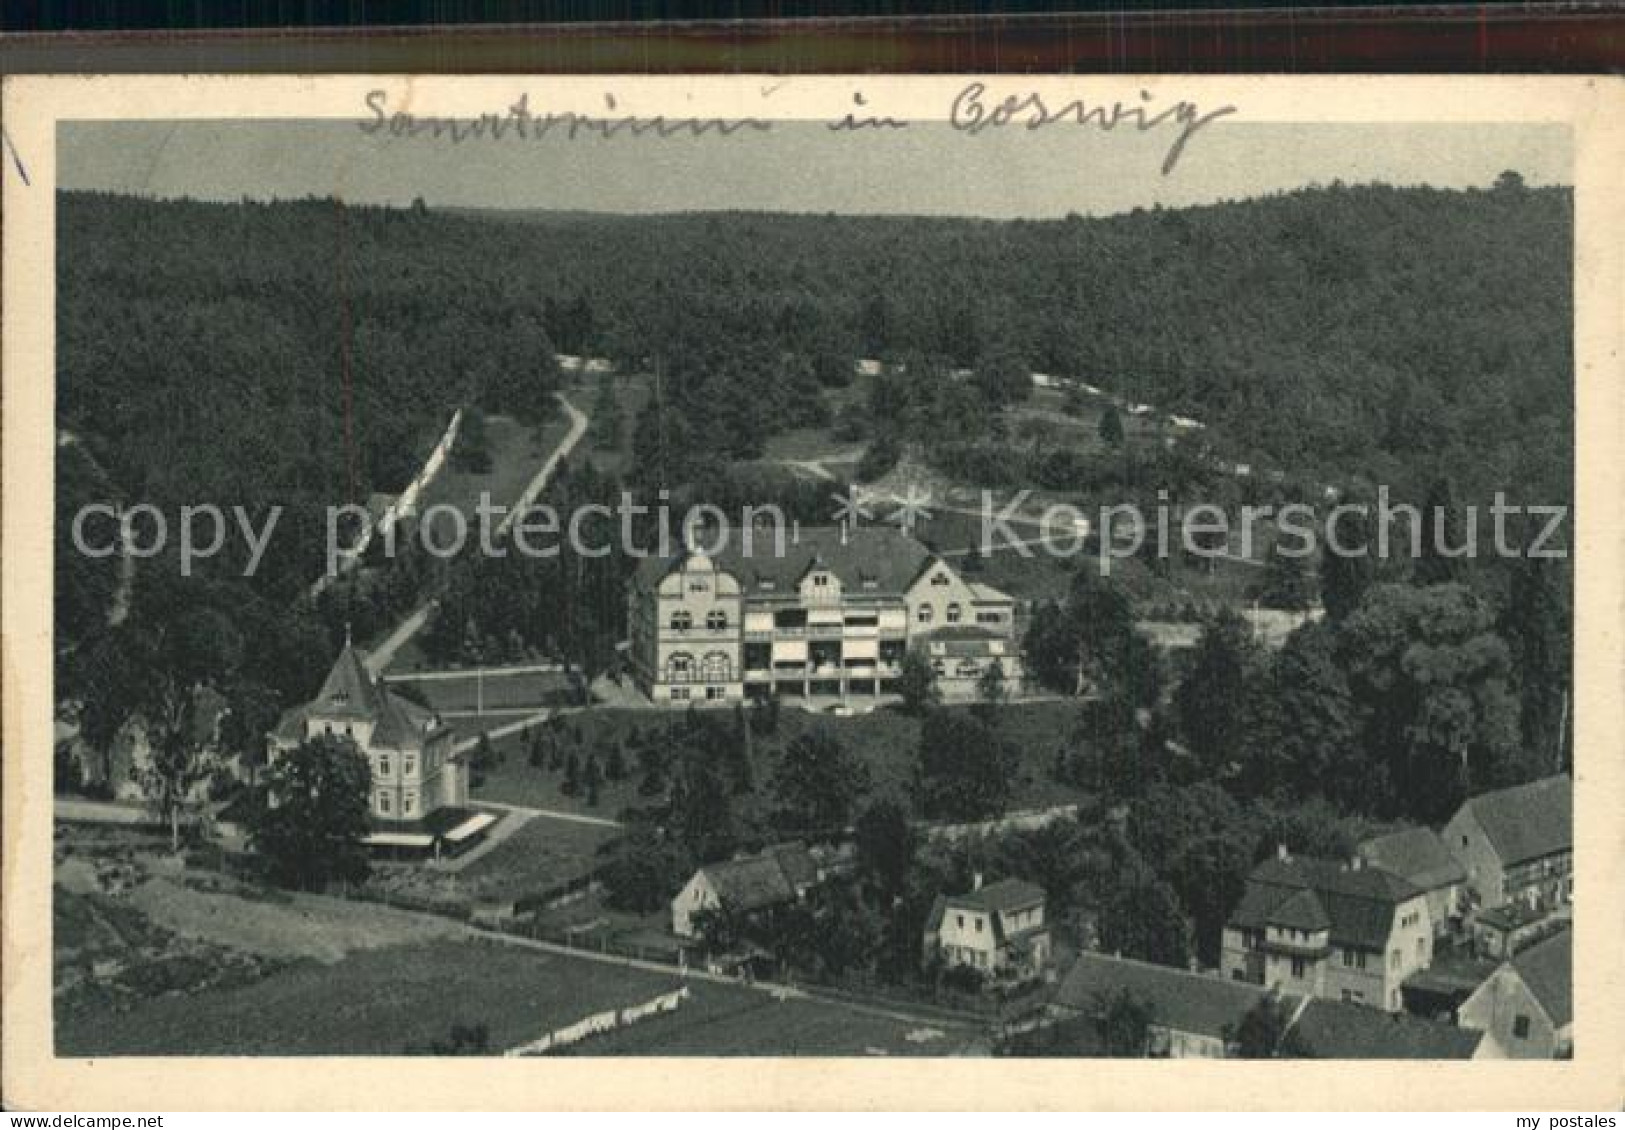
{"x": 889, "y": 558}
{"x": 1189, "y": 1002}
{"x": 1527, "y": 821}
{"x": 1451, "y": 976}
{"x": 1547, "y": 967}
{"x": 1356, "y": 904}
{"x": 1417, "y": 854}
{"x": 348, "y": 689}
{"x": 1003, "y": 897}
{"x": 402, "y": 723}
{"x": 773, "y": 876}
{"x": 1339, "y": 1030}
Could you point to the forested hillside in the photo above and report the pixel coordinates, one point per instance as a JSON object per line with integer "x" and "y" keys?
{"x": 1377, "y": 333}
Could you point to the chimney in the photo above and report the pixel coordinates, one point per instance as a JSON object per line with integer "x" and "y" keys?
{"x": 1282, "y": 854}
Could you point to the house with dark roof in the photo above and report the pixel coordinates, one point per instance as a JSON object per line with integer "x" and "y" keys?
{"x": 1419, "y": 855}
{"x": 1526, "y": 1007}
{"x": 1193, "y": 1015}
{"x": 1517, "y": 845}
{"x": 998, "y": 929}
{"x": 1328, "y": 928}
{"x": 822, "y": 611}
{"x": 1339, "y": 1030}
{"x": 778, "y": 875}
{"x": 419, "y": 788}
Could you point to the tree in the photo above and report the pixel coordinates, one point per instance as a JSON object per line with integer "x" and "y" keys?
{"x": 594, "y": 778}
{"x": 1003, "y": 377}
{"x": 1347, "y": 563}
{"x": 1305, "y": 739}
{"x": 1125, "y": 1024}
{"x": 312, "y": 820}
{"x": 644, "y": 871}
{"x": 1265, "y": 1032}
{"x": 486, "y": 758}
{"x": 917, "y": 682}
{"x": 965, "y": 768}
{"x": 885, "y": 845}
{"x": 1438, "y": 560}
{"x": 1213, "y": 701}
{"x": 1141, "y": 918}
{"x": 990, "y": 685}
{"x": 1287, "y": 584}
{"x": 1111, "y": 427}
{"x": 1089, "y": 642}
{"x": 1201, "y": 842}
{"x": 1433, "y": 683}
{"x": 1536, "y": 626}
{"x": 816, "y": 784}
{"x": 701, "y": 811}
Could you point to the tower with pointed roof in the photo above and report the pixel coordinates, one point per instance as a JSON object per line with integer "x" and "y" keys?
{"x": 415, "y": 770}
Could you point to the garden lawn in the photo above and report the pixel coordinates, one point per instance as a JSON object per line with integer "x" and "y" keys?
{"x": 532, "y": 690}
{"x": 537, "y": 857}
{"x": 378, "y": 1002}
{"x": 885, "y": 740}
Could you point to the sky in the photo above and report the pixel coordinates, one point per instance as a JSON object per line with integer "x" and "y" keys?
{"x": 798, "y": 167}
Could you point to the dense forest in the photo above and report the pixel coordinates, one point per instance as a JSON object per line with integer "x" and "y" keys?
{"x": 304, "y": 353}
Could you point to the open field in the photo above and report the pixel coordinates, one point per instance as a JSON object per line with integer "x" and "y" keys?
{"x": 378, "y": 1002}
{"x": 533, "y": 690}
{"x": 725, "y": 1021}
{"x": 517, "y": 453}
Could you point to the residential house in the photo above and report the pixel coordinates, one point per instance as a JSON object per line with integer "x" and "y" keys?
{"x": 826, "y": 611}
{"x": 1193, "y": 1015}
{"x": 1526, "y": 1007}
{"x": 1517, "y": 845}
{"x": 1337, "y": 1030}
{"x": 1418, "y": 854}
{"x": 1325, "y": 928}
{"x": 1438, "y": 992}
{"x": 419, "y": 791}
{"x": 776, "y": 876}
{"x": 998, "y": 929}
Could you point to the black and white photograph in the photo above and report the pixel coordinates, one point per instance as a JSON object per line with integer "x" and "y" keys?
{"x": 1034, "y": 570}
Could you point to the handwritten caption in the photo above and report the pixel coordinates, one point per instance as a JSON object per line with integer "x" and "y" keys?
{"x": 974, "y": 110}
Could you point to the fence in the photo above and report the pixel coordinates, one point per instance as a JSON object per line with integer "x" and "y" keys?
{"x": 600, "y": 1022}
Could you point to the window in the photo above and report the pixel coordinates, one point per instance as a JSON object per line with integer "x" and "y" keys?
{"x": 679, "y": 667}
{"x": 820, "y": 580}
{"x": 409, "y": 804}
{"x": 1520, "y": 1027}
{"x": 409, "y": 764}
{"x": 383, "y": 764}
{"x": 978, "y": 922}
{"x": 940, "y": 579}
{"x": 1297, "y": 967}
{"x": 679, "y": 694}
{"x": 954, "y": 613}
{"x": 1348, "y": 996}
{"x": 715, "y": 667}
{"x": 713, "y": 694}
{"x": 989, "y": 618}
{"x": 1394, "y": 959}
{"x": 924, "y": 614}
{"x": 960, "y": 921}
{"x": 383, "y": 803}
{"x": 716, "y": 619}
{"x": 682, "y": 620}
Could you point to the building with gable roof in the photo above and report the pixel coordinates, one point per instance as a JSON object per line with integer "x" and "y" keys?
{"x": 1418, "y": 854}
{"x": 778, "y": 875}
{"x": 1517, "y": 845}
{"x": 825, "y": 611}
{"x": 1526, "y": 1007}
{"x": 1326, "y": 928}
{"x": 1335, "y": 1030}
{"x": 417, "y": 777}
{"x": 1193, "y": 1015}
{"x": 997, "y": 929}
